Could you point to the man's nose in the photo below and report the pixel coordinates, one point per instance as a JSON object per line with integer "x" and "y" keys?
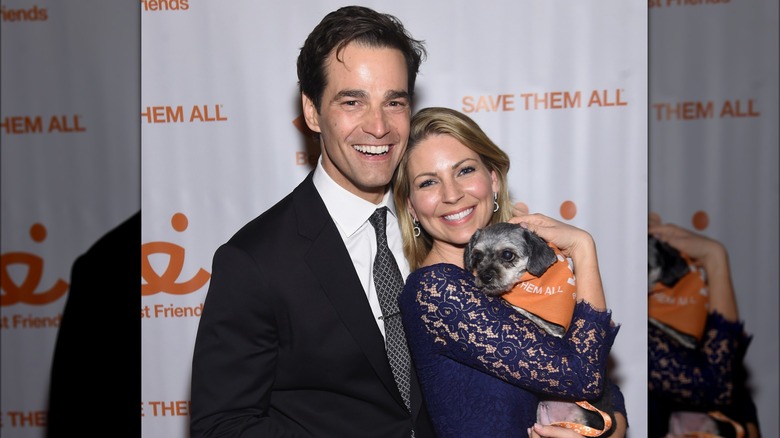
{"x": 376, "y": 123}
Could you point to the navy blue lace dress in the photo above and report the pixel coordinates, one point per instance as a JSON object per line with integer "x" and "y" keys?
{"x": 481, "y": 364}
{"x": 708, "y": 377}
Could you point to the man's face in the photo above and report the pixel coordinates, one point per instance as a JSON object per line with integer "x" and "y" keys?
{"x": 364, "y": 118}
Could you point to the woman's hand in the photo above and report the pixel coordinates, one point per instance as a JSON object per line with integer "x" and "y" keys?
{"x": 539, "y": 431}
{"x": 574, "y": 243}
{"x": 705, "y": 252}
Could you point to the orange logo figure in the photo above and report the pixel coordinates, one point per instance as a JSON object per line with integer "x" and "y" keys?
{"x": 700, "y": 220}
{"x": 25, "y": 293}
{"x": 167, "y": 282}
{"x": 568, "y": 210}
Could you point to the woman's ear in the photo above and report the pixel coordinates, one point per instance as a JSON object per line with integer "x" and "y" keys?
{"x": 411, "y": 210}
{"x": 310, "y": 113}
{"x": 494, "y": 178}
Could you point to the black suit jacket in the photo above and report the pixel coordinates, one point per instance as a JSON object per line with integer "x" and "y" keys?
{"x": 287, "y": 344}
{"x": 97, "y": 355}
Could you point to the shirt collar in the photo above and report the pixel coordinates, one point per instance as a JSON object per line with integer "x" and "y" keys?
{"x": 348, "y": 211}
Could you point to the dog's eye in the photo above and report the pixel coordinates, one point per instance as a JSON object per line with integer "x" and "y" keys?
{"x": 477, "y": 257}
{"x": 507, "y": 255}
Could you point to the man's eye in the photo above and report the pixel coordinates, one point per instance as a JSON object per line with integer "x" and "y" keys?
{"x": 507, "y": 255}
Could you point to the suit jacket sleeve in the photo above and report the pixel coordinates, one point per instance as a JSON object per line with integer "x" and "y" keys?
{"x": 235, "y": 353}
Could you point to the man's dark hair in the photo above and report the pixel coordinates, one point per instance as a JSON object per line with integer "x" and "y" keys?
{"x": 353, "y": 24}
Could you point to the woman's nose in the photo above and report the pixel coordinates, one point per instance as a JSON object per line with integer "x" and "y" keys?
{"x": 452, "y": 192}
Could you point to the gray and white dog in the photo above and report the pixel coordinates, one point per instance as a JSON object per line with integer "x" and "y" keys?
{"x": 666, "y": 265}
{"x": 498, "y": 255}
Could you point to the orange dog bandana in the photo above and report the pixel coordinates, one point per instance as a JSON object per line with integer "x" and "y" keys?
{"x": 683, "y": 306}
{"x": 551, "y": 296}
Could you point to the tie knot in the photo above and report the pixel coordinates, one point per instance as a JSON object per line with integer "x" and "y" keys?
{"x": 378, "y": 218}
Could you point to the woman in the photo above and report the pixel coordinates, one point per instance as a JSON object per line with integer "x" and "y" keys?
{"x": 481, "y": 364}
{"x": 699, "y": 379}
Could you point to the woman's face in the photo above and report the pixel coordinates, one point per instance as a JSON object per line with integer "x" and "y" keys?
{"x": 451, "y": 192}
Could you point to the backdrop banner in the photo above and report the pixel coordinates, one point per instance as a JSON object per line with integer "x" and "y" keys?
{"x": 563, "y": 89}
{"x": 713, "y": 154}
{"x": 585, "y": 98}
{"x": 69, "y": 170}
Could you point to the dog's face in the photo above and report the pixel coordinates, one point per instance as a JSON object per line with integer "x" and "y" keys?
{"x": 499, "y": 254}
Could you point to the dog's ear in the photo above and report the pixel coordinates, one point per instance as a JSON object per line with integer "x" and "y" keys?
{"x": 540, "y": 255}
{"x": 668, "y": 258}
{"x": 467, "y": 260}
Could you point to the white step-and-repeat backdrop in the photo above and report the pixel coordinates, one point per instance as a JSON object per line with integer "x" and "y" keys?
{"x": 713, "y": 153}
{"x": 562, "y": 87}
{"x": 69, "y": 163}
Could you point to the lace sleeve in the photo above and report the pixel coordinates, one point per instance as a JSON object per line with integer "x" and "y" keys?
{"x": 487, "y": 334}
{"x": 701, "y": 376}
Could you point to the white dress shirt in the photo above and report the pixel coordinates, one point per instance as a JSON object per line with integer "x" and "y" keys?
{"x": 351, "y": 213}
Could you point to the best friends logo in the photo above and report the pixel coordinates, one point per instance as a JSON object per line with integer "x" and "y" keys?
{"x": 28, "y": 290}
{"x": 169, "y": 282}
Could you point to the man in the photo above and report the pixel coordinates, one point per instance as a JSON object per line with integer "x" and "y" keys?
{"x": 291, "y": 339}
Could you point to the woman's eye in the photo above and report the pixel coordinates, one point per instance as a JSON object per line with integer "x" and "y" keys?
{"x": 425, "y": 183}
{"x": 507, "y": 255}
{"x": 466, "y": 170}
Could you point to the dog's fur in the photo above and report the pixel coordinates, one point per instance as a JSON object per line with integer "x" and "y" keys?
{"x": 664, "y": 263}
{"x": 667, "y": 266}
{"x": 498, "y": 255}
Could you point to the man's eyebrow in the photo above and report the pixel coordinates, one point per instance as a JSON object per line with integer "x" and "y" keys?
{"x": 397, "y": 94}
{"x": 360, "y": 94}
{"x": 357, "y": 94}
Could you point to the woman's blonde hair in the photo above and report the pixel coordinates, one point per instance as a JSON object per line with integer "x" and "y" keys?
{"x": 445, "y": 121}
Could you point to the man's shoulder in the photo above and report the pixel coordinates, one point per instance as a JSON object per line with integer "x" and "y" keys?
{"x": 273, "y": 219}
{"x": 302, "y": 204}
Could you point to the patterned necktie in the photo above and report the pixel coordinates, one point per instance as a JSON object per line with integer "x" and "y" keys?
{"x": 389, "y": 283}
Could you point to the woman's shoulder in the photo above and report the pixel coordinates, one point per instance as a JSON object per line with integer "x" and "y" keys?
{"x": 438, "y": 272}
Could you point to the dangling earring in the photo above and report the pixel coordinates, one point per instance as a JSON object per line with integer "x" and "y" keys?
{"x": 495, "y": 202}
{"x": 416, "y": 228}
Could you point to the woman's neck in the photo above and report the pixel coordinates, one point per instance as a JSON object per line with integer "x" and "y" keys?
{"x": 441, "y": 253}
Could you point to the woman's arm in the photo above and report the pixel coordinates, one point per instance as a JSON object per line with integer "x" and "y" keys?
{"x": 486, "y": 333}
{"x": 710, "y": 255}
{"x": 701, "y": 376}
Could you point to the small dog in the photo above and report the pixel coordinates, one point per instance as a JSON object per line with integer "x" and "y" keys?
{"x": 498, "y": 256}
{"x": 666, "y": 265}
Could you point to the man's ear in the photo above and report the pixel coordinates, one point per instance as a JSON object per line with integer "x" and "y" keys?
{"x": 310, "y": 113}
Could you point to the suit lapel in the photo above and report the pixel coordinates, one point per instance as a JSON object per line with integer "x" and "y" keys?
{"x": 329, "y": 260}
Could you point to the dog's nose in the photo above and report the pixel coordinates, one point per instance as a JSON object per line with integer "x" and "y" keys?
{"x": 487, "y": 277}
